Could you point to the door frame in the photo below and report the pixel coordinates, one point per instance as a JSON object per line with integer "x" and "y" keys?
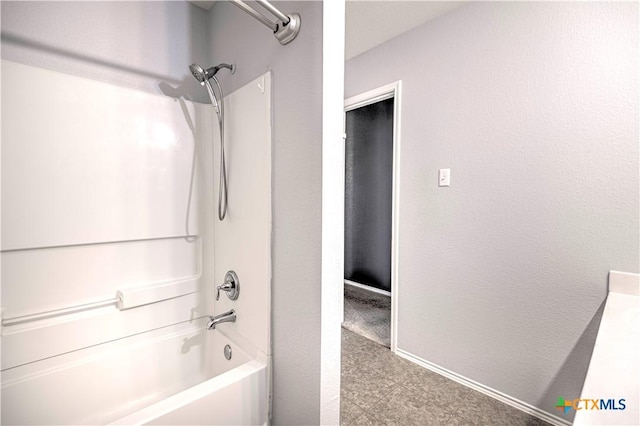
{"x": 391, "y": 90}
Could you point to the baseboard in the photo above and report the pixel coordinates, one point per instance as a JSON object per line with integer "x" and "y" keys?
{"x": 368, "y": 288}
{"x": 506, "y": 399}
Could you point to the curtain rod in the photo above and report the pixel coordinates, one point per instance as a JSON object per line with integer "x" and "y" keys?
{"x": 285, "y": 29}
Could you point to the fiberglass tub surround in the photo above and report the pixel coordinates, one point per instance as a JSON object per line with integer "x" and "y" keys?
{"x": 109, "y": 271}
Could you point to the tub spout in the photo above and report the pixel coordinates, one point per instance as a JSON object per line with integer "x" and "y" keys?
{"x": 229, "y": 316}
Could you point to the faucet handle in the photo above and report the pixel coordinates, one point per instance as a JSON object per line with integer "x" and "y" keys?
{"x": 227, "y": 286}
{"x": 231, "y": 285}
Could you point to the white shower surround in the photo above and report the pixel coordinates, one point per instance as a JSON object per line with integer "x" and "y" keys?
{"x": 94, "y": 200}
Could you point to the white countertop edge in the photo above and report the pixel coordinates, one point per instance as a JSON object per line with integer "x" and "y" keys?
{"x": 624, "y": 282}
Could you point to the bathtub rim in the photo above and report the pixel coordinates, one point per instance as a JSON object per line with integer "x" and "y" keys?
{"x": 192, "y": 394}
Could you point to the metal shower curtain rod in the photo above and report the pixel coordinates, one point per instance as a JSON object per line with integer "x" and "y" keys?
{"x": 285, "y": 29}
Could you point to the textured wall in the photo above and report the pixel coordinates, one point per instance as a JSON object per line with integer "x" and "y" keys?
{"x": 297, "y": 161}
{"x": 142, "y": 45}
{"x": 534, "y": 107}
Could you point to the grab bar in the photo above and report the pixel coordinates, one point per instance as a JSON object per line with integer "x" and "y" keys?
{"x": 127, "y": 298}
{"x": 58, "y": 312}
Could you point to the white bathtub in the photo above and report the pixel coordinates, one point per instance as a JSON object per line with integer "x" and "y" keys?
{"x": 235, "y": 393}
{"x": 174, "y": 375}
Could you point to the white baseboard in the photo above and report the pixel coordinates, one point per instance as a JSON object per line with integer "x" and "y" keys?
{"x": 368, "y": 288}
{"x": 506, "y": 399}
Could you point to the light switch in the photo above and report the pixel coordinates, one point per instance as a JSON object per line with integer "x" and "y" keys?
{"x": 444, "y": 177}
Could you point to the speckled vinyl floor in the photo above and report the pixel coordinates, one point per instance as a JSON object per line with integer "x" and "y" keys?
{"x": 380, "y": 388}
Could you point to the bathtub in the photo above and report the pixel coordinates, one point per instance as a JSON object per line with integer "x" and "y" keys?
{"x": 234, "y": 393}
{"x": 173, "y": 375}
{"x": 233, "y": 398}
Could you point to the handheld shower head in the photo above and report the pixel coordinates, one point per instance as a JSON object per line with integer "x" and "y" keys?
{"x": 198, "y": 72}
{"x": 201, "y": 74}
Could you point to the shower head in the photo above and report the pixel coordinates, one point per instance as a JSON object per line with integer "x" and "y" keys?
{"x": 198, "y": 72}
{"x": 201, "y": 74}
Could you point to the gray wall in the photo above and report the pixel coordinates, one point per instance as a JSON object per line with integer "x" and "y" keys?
{"x": 534, "y": 107}
{"x": 297, "y": 173}
{"x": 142, "y": 45}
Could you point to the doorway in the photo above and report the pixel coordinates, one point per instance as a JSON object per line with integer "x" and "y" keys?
{"x": 371, "y": 232}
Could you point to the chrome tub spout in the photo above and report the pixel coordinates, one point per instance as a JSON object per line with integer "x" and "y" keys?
{"x": 229, "y": 316}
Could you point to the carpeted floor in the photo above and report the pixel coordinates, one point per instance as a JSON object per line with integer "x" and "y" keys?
{"x": 368, "y": 314}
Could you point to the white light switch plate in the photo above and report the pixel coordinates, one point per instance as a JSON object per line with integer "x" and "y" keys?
{"x": 444, "y": 177}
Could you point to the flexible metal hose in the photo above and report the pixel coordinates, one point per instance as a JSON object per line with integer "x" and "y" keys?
{"x": 222, "y": 186}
